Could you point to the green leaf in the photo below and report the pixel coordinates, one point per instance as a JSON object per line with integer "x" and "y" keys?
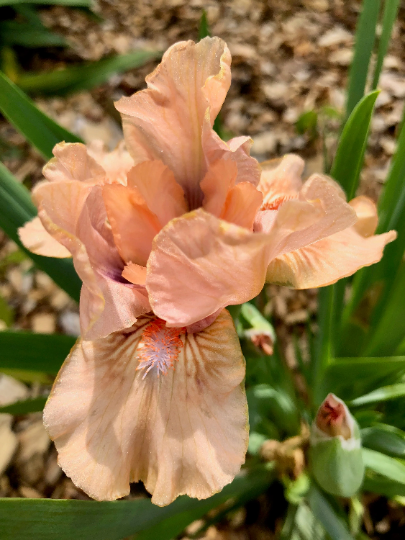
{"x": 390, "y": 14}
{"x": 349, "y": 156}
{"x": 23, "y": 34}
{"x": 47, "y": 519}
{"x": 203, "y": 29}
{"x": 384, "y": 486}
{"x": 387, "y": 328}
{"x": 352, "y": 377}
{"x": 34, "y": 352}
{"x": 37, "y": 128}
{"x": 385, "y": 439}
{"x": 16, "y": 208}
{"x": 326, "y": 514}
{"x": 84, "y": 76}
{"x": 391, "y": 211}
{"x": 364, "y": 44}
{"x": 387, "y": 466}
{"x": 25, "y": 407}
{"x": 6, "y": 312}
{"x": 381, "y": 394}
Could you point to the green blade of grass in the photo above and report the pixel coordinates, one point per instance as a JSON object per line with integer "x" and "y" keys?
{"x": 34, "y": 125}
{"x": 47, "y": 519}
{"x": 364, "y": 44}
{"x": 203, "y": 29}
{"x": 23, "y": 34}
{"x": 387, "y": 327}
{"x": 16, "y": 208}
{"x": 387, "y": 466}
{"x": 85, "y": 76}
{"x": 365, "y": 375}
{"x": 380, "y": 394}
{"x": 25, "y": 407}
{"x": 349, "y": 157}
{"x": 326, "y": 514}
{"x": 391, "y": 216}
{"x": 44, "y": 353}
{"x": 389, "y": 16}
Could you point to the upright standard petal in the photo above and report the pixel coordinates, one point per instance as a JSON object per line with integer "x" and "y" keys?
{"x": 185, "y": 432}
{"x": 133, "y": 224}
{"x": 36, "y": 238}
{"x": 165, "y": 121}
{"x": 162, "y": 194}
{"x": 200, "y": 264}
{"x": 236, "y": 150}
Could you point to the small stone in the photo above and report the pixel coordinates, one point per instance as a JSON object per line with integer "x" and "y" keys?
{"x": 264, "y": 143}
{"x": 59, "y": 300}
{"x": 335, "y": 36}
{"x": 9, "y": 441}
{"x": 70, "y": 322}
{"x": 44, "y": 323}
{"x": 342, "y": 57}
{"x": 29, "y": 492}
{"x": 33, "y": 440}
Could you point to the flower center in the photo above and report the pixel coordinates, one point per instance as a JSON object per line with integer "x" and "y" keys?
{"x": 159, "y": 347}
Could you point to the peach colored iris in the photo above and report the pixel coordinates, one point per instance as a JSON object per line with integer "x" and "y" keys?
{"x": 164, "y": 238}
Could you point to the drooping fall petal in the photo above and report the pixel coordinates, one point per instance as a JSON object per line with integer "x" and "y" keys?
{"x": 328, "y": 260}
{"x": 133, "y": 224}
{"x": 180, "y": 433}
{"x": 37, "y": 239}
{"x": 165, "y": 121}
{"x": 200, "y": 264}
{"x": 162, "y": 194}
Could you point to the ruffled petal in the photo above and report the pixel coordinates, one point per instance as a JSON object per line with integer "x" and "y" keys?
{"x": 281, "y": 179}
{"x": 328, "y": 260}
{"x": 72, "y": 162}
{"x": 133, "y": 225}
{"x": 116, "y": 164}
{"x": 108, "y": 302}
{"x": 241, "y": 205}
{"x": 159, "y": 189}
{"x": 181, "y": 433}
{"x": 59, "y": 207}
{"x": 165, "y": 121}
{"x": 236, "y": 150}
{"x": 37, "y": 239}
{"x": 200, "y": 264}
{"x": 135, "y": 273}
{"x": 327, "y": 200}
{"x": 220, "y": 177}
{"x": 367, "y": 215}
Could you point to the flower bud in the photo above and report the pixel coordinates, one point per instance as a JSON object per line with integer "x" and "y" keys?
{"x": 335, "y": 449}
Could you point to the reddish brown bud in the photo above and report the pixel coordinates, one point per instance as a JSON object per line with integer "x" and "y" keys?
{"x": 332, "y": 418}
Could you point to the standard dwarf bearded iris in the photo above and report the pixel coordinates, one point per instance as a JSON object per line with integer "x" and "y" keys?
{"x": 164, "y": 235}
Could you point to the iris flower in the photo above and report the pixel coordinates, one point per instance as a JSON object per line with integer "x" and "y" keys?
{"x": 165, "y": 233}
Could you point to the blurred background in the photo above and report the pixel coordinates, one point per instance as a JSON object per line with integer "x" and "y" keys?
{"x": 289, "y": 73}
